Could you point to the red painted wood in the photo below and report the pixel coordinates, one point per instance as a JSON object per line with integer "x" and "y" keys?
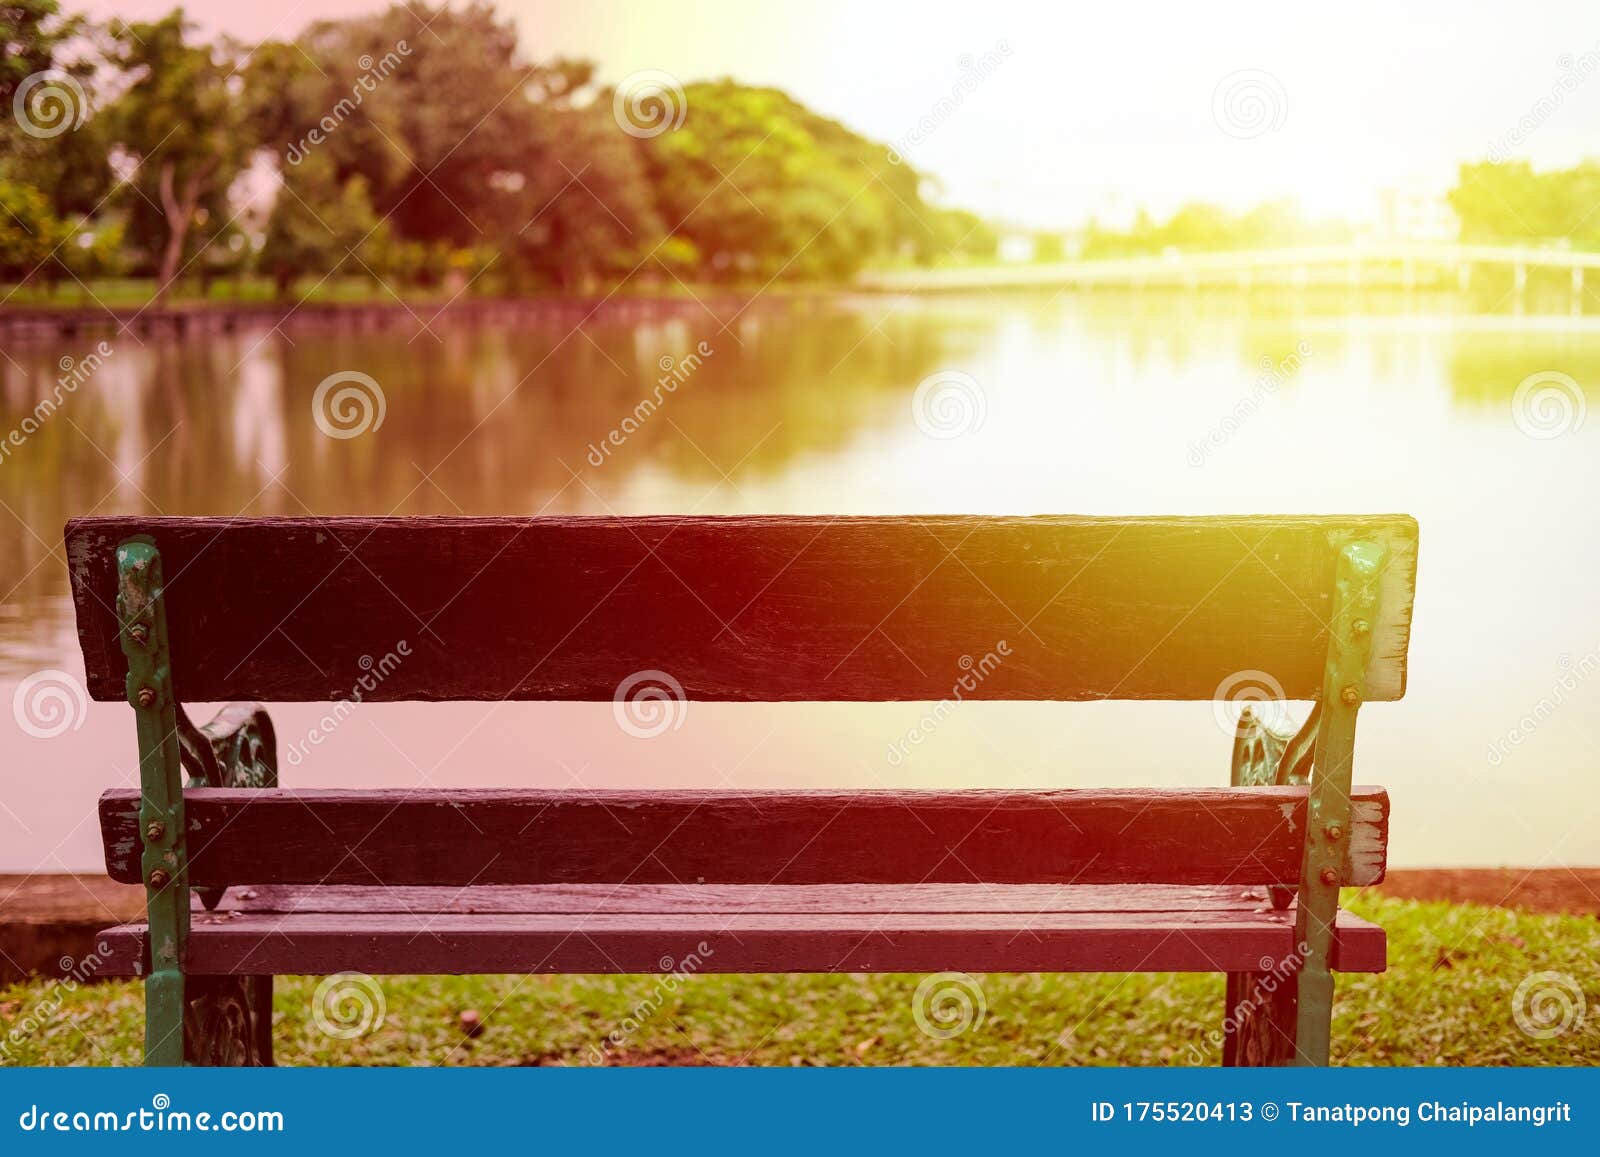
{"x": 1205, "y": 940}
{"x": 589, "y": 899}
{"x": 800, "y": 608}
{"x": 1240, "y": 836}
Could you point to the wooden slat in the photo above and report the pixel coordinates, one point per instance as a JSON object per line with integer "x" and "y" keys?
{"x": 798, "y": 608}
{"x": 1203, "y": 940}
{"x": 739, "y": 899}
{"x": 1239, "y": 836}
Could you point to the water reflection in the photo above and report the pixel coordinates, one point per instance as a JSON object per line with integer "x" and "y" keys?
{"x": 1090, "y": 404}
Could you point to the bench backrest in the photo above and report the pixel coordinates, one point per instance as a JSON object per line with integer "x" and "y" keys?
{"x": 408, "y": 836}
{"x": 742, "y": 608}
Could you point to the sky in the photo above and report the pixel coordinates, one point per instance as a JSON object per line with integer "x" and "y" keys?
{"x": 1103, "y": 108}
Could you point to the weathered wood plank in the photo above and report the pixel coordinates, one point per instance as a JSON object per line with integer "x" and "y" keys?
{"x": 741, "y": 899}
{"x": 796, "y": 608}
{"x": 1243, "y": 836}
{"x": 1202, "y": 941}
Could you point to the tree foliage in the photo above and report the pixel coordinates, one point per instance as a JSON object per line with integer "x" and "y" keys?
{"x": 1510, "y": 202}
{"x": 179, "y": 126}
{"x": 1198, "y": 227}
{"x": 418, "y": 144}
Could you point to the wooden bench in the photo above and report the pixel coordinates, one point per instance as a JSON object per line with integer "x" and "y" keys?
{"x": 246, "y": 879}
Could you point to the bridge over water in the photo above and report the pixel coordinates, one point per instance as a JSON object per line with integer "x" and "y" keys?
{"x": 1406, "y": 264}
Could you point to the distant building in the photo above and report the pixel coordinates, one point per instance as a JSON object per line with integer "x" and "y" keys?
{"x": 1021, "y": 246}
{"x": 1415, "y": 213}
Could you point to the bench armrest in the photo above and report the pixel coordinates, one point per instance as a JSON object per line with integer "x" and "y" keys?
{"x": 238, "y": 748}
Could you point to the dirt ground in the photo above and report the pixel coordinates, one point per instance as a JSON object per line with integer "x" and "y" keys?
{"x": 1566, "y": 890}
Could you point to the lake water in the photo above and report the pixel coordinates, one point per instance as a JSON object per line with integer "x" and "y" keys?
{"x": 1071, "y": 404}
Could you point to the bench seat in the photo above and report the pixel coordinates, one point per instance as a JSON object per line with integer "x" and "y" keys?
{"x": 747, "y": 928}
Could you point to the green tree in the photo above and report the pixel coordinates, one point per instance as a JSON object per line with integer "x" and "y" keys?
{"x": 1508, "y": 201}
{"x": 60, "y": 150}
{"x": 762, "y": 186}
{"x": 32, "y": 35}
{"x": 29, "y": 231}
{"x": 463, "y": 148}
{"x": 182, "y": 127}
{"x": 320, "y": 226}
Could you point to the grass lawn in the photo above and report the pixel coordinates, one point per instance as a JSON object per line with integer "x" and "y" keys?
{"x": 1446, "y": 999}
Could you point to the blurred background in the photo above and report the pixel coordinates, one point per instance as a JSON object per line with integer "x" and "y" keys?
{"x": 820, "y": 258}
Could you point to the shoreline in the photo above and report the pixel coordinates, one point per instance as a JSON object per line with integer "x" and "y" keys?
{"x": 185, "y": 318}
